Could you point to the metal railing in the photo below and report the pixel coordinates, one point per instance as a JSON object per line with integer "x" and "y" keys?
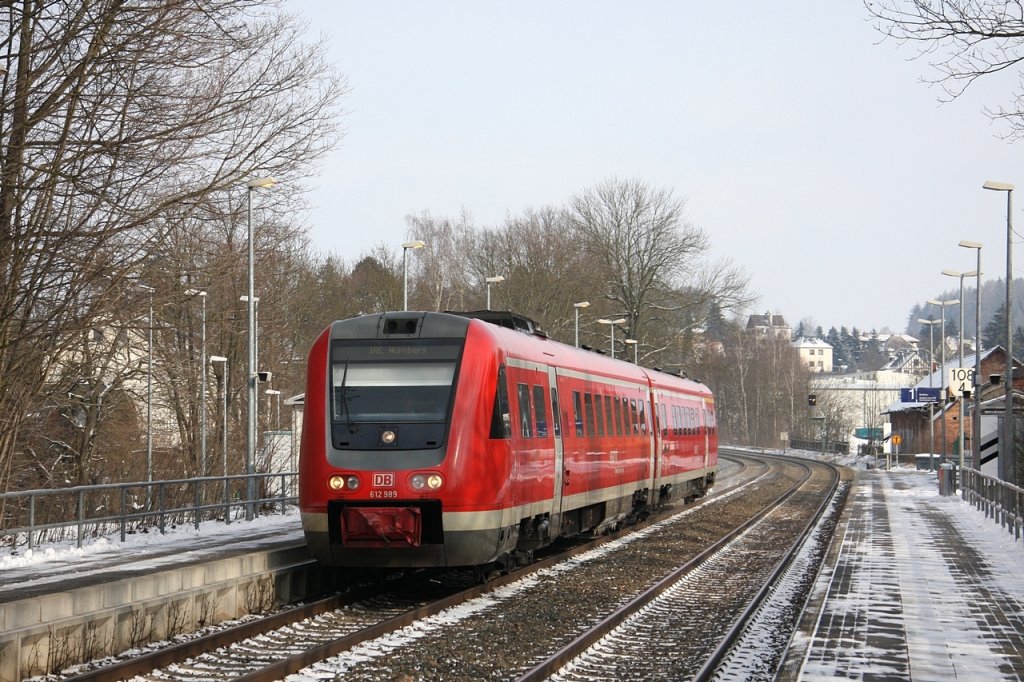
{"x": 1001, "y": 501}
{"x": 35, "y": 517}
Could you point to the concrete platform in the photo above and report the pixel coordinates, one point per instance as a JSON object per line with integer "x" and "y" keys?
{"x": 919, "y": 587}
{"x": 83, "y": 606}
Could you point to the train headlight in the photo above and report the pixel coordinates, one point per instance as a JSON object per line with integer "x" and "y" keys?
{"x": 350, "y": 482}
{"x": 420, "y": 482}
{"x": 388, "y": 437}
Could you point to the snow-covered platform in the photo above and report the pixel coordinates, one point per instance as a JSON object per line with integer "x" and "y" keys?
{"x": 920, "y": 587}
{"x": 107, "y": 597}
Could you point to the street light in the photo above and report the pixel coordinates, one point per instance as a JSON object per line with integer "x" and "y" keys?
{"x": 271, "y": 393}
{"x": 976, "y": 422}
{"x": 577, "y": 306}
{"x": 1007, "y": 466}
{"x": 256, "y": 327}
{"x": 214, "y": 359}
{"x": 251, "y": 379}
{"x": 417, "y": 244}
{"x": 636, "y": 351}
{"x": 492, "y": 280}
{"x": 612, "y": 323}
{"x": 960, "y": 398}
{"x": 942, "y": 375}
{"x": 149, "y": 392}
{"x": 931, "y": 374}
{"x": 202, "y": 384}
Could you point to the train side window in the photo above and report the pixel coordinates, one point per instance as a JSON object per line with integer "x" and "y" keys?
{"x": 540, "y": 412}
{"x": 599, "y": 414}
{"x": 618, "y": 416}
{"x": 664, "y": 420}
{"x": 525, "y": 425}
{"x": 556, "y": 420}
{"x": 677, "y": 420}
{"x": 633, "y": 417}
{"x": 609, "y": 417}
{"x": 626, "y": 421}
{"x": 577, "y": 405}
{"x": 692, "y": 414}
{"x": 642, "y": 416}
{"x": 588, "y": 402}
{"x": 501, "y": 423}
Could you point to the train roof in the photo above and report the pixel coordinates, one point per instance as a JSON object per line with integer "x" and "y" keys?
{"x": 589, "y": 357}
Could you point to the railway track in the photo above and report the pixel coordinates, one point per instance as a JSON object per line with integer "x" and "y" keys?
{"x": 678, "y": 629}
{"x": 434, "y": 629}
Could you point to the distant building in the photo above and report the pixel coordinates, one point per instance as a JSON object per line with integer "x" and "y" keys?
{"x": 815, "y": 354}
{"x": 769, "y": 325}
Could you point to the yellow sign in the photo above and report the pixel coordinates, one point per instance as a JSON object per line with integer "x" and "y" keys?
{"x": 897, "y": 439}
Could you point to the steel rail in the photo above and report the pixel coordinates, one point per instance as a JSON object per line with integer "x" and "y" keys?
{"x": 718, "y": 655}
{"x": 567, "y": 653}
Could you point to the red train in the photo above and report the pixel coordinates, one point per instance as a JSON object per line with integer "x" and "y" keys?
{"x": 471, "y": 439}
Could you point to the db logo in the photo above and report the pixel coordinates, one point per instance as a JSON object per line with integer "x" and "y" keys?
{"x": 384, "y": 480}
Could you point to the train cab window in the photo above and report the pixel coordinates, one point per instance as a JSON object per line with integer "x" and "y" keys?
{"x": 539, "y": 412}
{"x": 408, "y": 391}
{"x": 608, "y": 415}
{"x": 599, "y": 414}
{"x": 588, "y": 402}
{"x": 577, "y": 405}
{"x": 501, "y": 423}
{"x": 525, "y": 425}
{"x": 556, "y": 420}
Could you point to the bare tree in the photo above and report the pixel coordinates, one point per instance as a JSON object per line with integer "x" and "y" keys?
{"x": 652, "y": 259}
{"x": 964, "y": 40}
{"x": 113, "y": 117}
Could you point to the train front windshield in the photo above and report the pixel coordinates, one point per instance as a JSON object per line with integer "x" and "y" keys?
{"x": 416, "y": 386}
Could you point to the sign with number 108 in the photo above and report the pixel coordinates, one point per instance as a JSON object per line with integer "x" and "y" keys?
{"x": 961, "y": 379}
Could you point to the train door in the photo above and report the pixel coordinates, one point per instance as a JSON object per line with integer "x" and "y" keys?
{"x": 559, "y": 464}
{"x": 658, "y": 446}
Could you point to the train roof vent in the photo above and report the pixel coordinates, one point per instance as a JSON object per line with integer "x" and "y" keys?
{"x": 504, "y": 318}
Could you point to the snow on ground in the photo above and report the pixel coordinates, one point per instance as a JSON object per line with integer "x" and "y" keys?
{"x": 150, "y": 546}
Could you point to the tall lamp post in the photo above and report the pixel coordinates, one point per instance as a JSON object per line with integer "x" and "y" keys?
{"x": 202, "y": 383}
{"x": 492, "y": 280}
{"x": 415, "y": 244}
{"x": 148, "y": 398}
{"x": 931, "y": 374}
{"x": 251, "y": 378}
{"x": 942, "y": 372}
{"x": 612, "y": 323}
{"x": 976, "y": 420}
{"x": 1007, "y": 465}
{"x": 577, "y": 306}
{"x": 215, "y": 359}
{"x": 960, "y": 342}
{"x": 636, "y": 351}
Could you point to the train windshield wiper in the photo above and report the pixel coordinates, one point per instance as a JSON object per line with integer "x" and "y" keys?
{"x": 352, "y": 428}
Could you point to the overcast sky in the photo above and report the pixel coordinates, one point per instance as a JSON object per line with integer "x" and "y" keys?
{"x": 812, "y": 154}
